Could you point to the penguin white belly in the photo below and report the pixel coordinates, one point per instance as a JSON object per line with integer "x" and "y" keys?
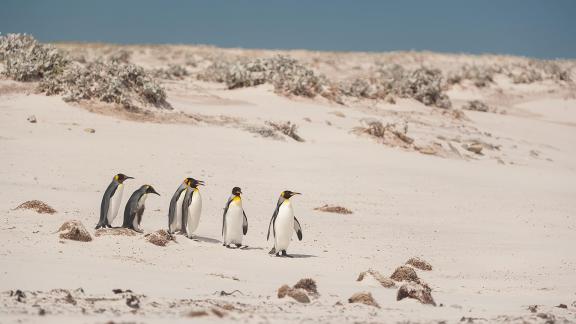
{"x": 194, "y": 211}
{"x": 284, "y": 227}
{"x": 141, "y": 202}
{"x": 233, "y": 233}
{"x": 177, "y": 221}
{"x": 114, "y": 205}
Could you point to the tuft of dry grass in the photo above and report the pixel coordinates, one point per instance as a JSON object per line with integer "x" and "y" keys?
{"x": 39, "y": 206}
{"x": 419, "y": 263}
{"x": 404, "y": 273}
{"x": 307, "y": 284}
{"x": 74, "y": 230}
{"x": 417, "y": 291}
{"x": 384, "y": 281}
{"x": 391, "y": 134}
{"x": 476, "y": 105}
{"x": 159, "y": 238}
{"x": 287, "y": 128}
{"x": 363, "y": 298}
{"x": 297, "y": 294}
{"x": 334, "y": 209}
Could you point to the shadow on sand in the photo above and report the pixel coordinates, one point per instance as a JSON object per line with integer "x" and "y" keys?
{"x": 206, "y": 239}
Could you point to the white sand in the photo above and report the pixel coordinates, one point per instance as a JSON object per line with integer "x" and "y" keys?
{"x": 499, "y": 236}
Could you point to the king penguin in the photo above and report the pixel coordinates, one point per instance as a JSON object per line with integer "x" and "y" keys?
{"x": 191, "y": 207}
{"x": 234, "y": 221}
{"x": 111, "y": 201}
{"x": 135, "y": 208}
{"x": 283, "y": 222}
{"x": 175, "y": 210}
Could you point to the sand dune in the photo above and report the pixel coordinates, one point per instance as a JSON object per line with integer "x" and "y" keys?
{"x": 497, "y": 225}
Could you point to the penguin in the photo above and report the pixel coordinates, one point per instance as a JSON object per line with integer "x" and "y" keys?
{"x": 191, "y": 208}
{"x": 234, "y": 221}
{"x": 282, "y": 223}
{"x": 111, "y": 201}
{"x": 175, "y": 210}
{"x": 135, "y": 208}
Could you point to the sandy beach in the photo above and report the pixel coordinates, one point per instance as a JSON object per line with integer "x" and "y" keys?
{"x": 497, "y": 225}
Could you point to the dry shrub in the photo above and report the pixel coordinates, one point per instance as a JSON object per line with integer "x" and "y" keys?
{"x": 392, "y": 134}
{"x": 536, "y": 70}
{"x": 118, "y": 83}
{"x": 404, "y": 273}
{"x": 287, "y": 75}
{"x": 334, "y": 209}
{"x": 384, "y": 281}
{"x": 38, "y": 206}
{"x": 425, "y": 85}
{"x": 297, "y": 294}
{"x": 363, "y": 298}
{"x": 476, "y": 105}
{"x": 307, "y": 284}
{"x": 417, "y": 291}
{"x": 172, "y": 72}
{"x": 419, "y": 263}
{"x": 287, "y": 128}
{"x": 481, "y": 76}
{"x": 159, "y": 238}
{"x": 265, "y": 131}
{"x": 27, "y": 60}
{"x": 74, "y": 230}
{"x": 120, "y": 56}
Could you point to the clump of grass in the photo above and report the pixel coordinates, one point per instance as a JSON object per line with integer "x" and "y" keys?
{"x": 124, "y": 84}
{"x": 287, "y": 75}
{"x": 38, "y": 206}
{"x": 392, "y": 134}
{"x": 287, "y": 128}
{"x": 481, "y": 76}
{"x": 476, "y": 105}
{"x": 172, "y": 72}
{"x": 25, "y": 59}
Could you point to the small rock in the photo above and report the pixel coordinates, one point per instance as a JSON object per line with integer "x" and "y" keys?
{"x": 474, "y": 148}
{"x": 159, "y": 238}
{"x": 218, "y": 312}
{"x": 198, "y": 313}
{"x": 90, "y": 130}
{"x": 562, "y": 306}
{"x": 363, "y": 298}
{"x": 416, "y": 291}
{"x": 533, "y": 308}
{"x": 428, "y": 150}
{"x": 74, "y": 230}
{"x": 419, "y": 264}
{"x": 404, "y": 273}
{"x": 41, "y": 312}
{"x": 120, "y": 291}
{"x": 31, "y": 119}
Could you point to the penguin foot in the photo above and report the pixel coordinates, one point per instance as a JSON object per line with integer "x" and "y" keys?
{"x": 284, "y": 254}
{"x": 273, "y": 251}
{"x": 238, "y": 246}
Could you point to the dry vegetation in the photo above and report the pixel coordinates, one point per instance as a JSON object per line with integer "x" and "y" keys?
{"x": 38, "y": 206}
{"x": 74, "y": 230}
{"x": 334, "y": 209}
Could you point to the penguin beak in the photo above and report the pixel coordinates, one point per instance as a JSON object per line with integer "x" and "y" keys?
{"x": 200, "y": 182}
{"x": 296, "y": 193}
{"x": 154, "y": 191}
{"x": 127, "y": 177}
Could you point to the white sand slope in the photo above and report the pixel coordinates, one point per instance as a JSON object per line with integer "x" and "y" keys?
{"x": 500, "y": 235}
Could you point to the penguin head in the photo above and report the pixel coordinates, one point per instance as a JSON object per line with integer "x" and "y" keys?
{"x": 236, "y": 191}
{"x": 286, "y": 194}
{"x": 150, "y": 189}
{"x": 193, "y": 183}
{"x": 120, "y": 177}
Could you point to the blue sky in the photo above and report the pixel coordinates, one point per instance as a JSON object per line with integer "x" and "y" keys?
{"x": 543, "y": 29}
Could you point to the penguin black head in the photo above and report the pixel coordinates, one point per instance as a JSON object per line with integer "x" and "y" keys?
{"x": 120, "y": 177}
{"x": 236, "y": 191}
{"x": 286, "y": 194}
{"x": 150, "y": 189}
{"x": 193, "y": 182}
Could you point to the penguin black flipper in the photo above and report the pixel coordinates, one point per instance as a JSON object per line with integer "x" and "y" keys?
{"x": 173, "y": 204}
{"x": 105, "y": 205}
{"x": 226, "y": 211}
{"x": 245, "y": 223}
{"x": 273, "y": 219}
{"x": 298, "y": 228}
{"x": 185, "y": 204}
